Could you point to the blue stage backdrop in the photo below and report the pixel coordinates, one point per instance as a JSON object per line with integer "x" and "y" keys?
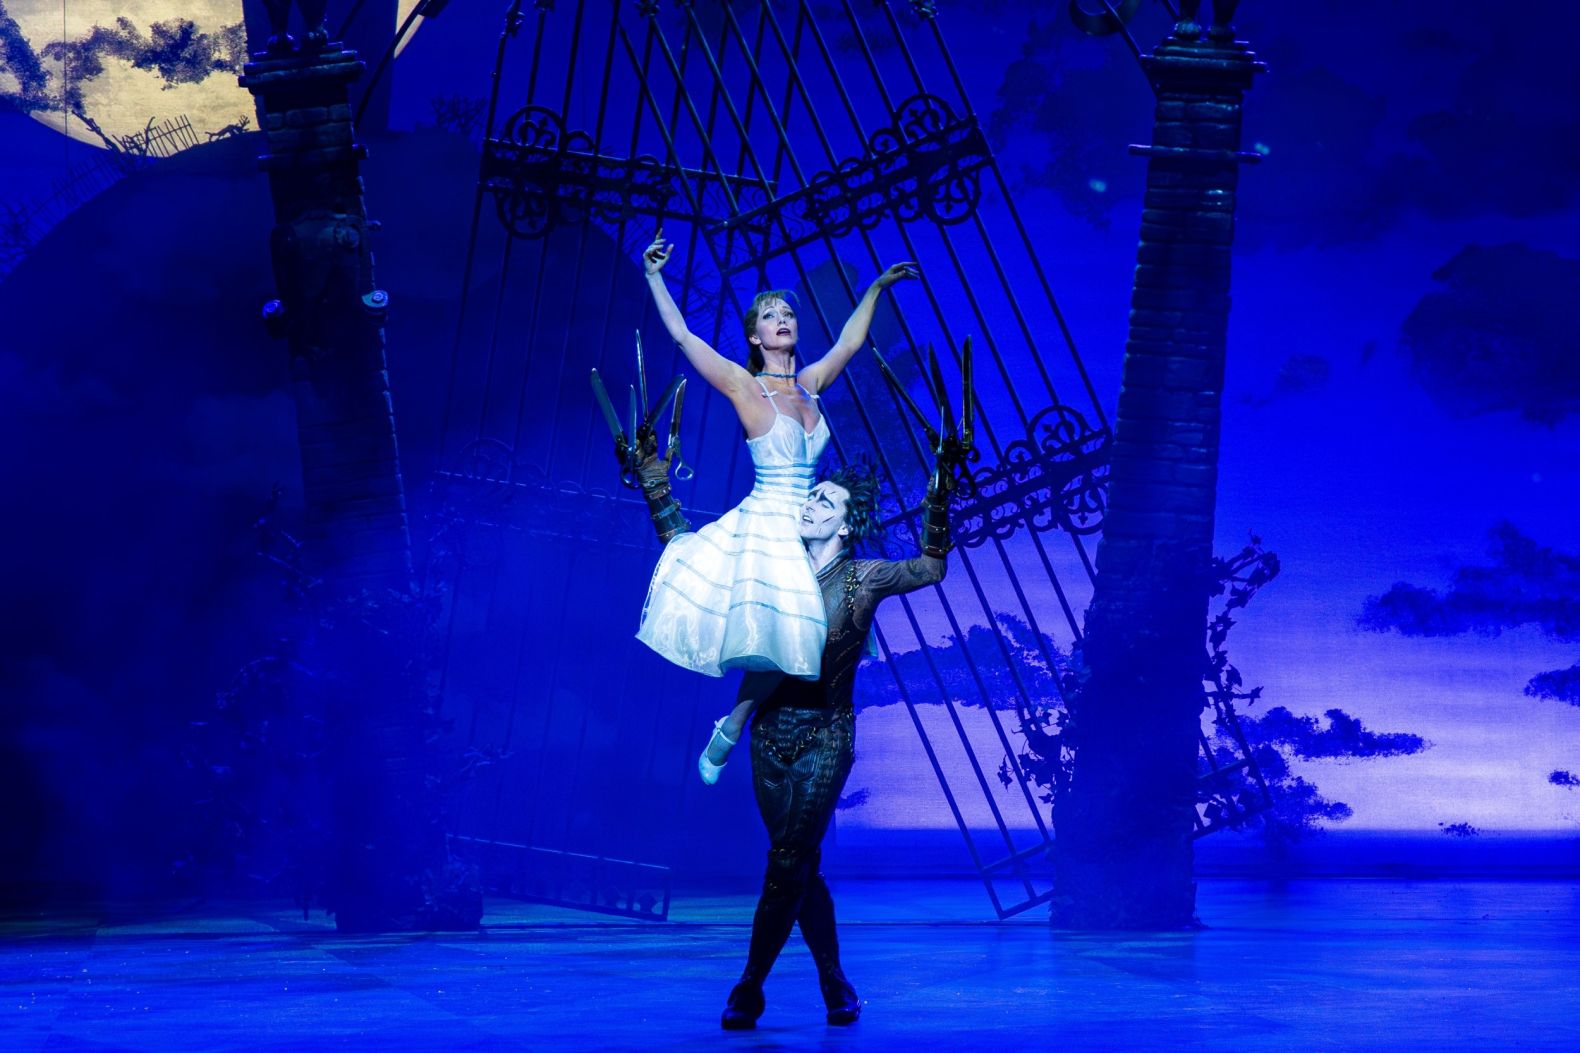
{"x": 1401, "y": 426}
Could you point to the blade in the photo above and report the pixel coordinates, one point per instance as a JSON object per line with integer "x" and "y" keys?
{"x": 905, "y": 397}
{"x": 968, "y": 406}
{"x": 669, "y": 393}
{"x": 606, "y": 406}
{"x": 946, "y": 418}
{"x": 674, "y": 421}
{"x": 641, "y": 373}
{"x": 634, "y": 417}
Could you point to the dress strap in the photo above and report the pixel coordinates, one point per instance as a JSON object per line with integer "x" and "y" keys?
{"x": 766, "y": 393}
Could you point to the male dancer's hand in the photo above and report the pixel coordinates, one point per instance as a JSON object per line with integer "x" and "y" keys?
{"x": 652, "y": 472}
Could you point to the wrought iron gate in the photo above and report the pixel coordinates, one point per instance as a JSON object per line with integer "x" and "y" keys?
{"x": 778, "y": 151}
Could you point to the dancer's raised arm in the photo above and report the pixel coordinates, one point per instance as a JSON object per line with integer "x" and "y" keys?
{"x": 817, "y": 376}
{"x": 729, "y": 378}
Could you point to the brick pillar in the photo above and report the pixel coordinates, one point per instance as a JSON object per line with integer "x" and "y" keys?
{"x": 385, "y": 832}
{"x": 1124, "y": 853}
{"x": 332, "y": 318}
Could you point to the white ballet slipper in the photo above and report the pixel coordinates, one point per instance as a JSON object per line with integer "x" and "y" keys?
{"x": 706, "y": 768}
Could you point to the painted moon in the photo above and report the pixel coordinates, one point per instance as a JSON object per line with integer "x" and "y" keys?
{"x": 126, "y": 63}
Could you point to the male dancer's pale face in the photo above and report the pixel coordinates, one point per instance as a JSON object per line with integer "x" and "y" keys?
{"x": 823, "y": 515}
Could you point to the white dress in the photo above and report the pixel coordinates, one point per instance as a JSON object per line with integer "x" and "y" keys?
{"x": 740, "y": 593}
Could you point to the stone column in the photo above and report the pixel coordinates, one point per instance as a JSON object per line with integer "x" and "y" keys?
{"x": 332, "y": 317}
{"x": 388, "y": 845}
{"x": 1124, "y": 851}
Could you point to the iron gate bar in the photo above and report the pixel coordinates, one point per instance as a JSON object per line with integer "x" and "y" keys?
{"x": 993, "y": 347}
{"x": 992, "y": 802}
{"x": 695, "y": 232}
{"x": 672, "y": 152}
{"x": 512, "y": 24}
{"x": 751, "y": 98}
{"x": 938, "y": 772}
{"x": 493, "y": 333}
{"x": 520, "y": 647}
{"x": 1010, "y": 754}
{"x": 763, "y": 20}
{"x": 532, "y": 339}
{"x": 538, "y": 771}
{"x": 537, "y": 49}
{"x": 779, "y": 128}
{"x": 592, "y": 440}
{"x": 620, "y": 686}
{"x": 713, "y": 148}
{"x": 521, "y": 416}
{"x": 581, "y": 245}
{"x": 504, "y": 278}
{"x": 1018, "y": 857}
{"x": 866, "y": 53}
{"x": 513, "y": 694}
{"x": 1016, "y": 309}
{"x": 492, "y": 851}
{"x": 696, "y": 119}
{"x": 1027, "y": 243}
{"x": 905, "y": 49}
{"x": 998, "y": 449}
{"x": 950, "y": 343}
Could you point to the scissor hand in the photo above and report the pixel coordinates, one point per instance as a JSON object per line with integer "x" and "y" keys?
{"x": 641, "y": 442}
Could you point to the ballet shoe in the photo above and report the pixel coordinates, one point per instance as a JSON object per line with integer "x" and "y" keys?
{"x": 743, "y": 1007}
{"x": 706, "y": 768}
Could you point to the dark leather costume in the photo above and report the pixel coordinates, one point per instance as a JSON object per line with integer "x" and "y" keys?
{"x": 803, "y": 736}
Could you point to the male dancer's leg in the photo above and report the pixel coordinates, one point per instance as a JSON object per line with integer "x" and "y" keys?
{"x": 799, "y": 766}
{"x": 822, "y": 939}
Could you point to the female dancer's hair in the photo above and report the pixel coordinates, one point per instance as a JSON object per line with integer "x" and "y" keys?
{"x": 861, "y": 511}
{"x": 754, "y": 359}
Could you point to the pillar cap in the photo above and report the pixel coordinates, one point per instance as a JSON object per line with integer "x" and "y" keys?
{"x": 333, "y": 63}
{"x": 1204, "y": 59}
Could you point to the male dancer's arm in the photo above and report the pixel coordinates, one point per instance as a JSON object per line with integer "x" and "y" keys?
{"x": 668, "y": 517}
{"x": 885, "y": 578}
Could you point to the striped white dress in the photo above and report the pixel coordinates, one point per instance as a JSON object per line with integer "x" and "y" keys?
{"x": 740, "y": 593}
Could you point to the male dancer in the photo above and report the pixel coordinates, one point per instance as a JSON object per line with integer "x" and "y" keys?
{"x": 803, "y": 730}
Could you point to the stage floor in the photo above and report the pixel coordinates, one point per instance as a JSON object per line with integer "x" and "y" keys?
{"x": 1320, "y": 965}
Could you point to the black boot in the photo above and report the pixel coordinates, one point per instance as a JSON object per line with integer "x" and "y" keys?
{"x": 776, "y": 913}
{"x": 839, "y": 998}
{"x": 822, "y": 939}
{"x": 744, "y": 1005}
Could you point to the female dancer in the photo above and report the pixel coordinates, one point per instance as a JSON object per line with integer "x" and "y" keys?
{"x": 740, "y": 593}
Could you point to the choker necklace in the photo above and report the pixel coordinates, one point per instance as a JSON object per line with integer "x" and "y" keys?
{"x": 781, "y": 376}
